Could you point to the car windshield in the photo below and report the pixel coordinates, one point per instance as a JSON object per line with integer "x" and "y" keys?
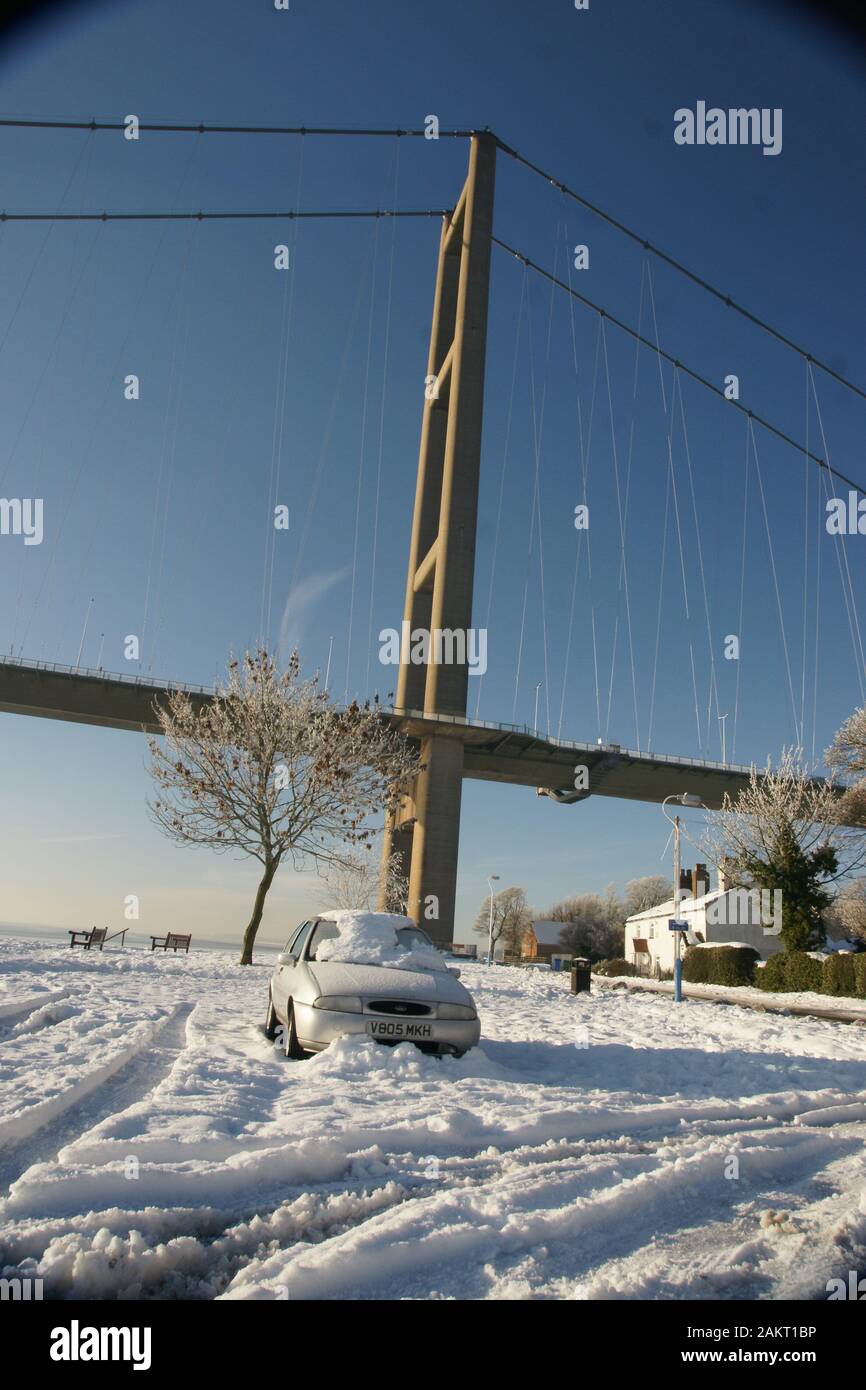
{"x": 374, "y": 938}
{"x": 413, "y": 937}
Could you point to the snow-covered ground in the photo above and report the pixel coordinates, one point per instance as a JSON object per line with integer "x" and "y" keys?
{"x": 154, "y": 1144}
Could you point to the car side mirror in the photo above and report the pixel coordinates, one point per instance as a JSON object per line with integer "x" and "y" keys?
{"x": 285, "y": 959}
{"x": 452, "y": 971}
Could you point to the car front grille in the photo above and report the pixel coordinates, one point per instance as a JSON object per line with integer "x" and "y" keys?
{"x": 399, "y": 1008}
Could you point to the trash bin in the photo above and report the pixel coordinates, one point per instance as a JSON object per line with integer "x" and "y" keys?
{"x": 581, "y": 973}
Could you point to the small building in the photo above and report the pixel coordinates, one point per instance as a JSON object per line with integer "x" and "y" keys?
{"x": 542, "y": 941}
{"x": 726, "y": 916}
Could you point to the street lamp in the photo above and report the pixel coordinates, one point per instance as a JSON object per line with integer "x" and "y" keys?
{"x": 684, "y": 799}
{"x": 494, "y": 878}
{"x": 535, "y": 716}
{"x": 722, "y": 718}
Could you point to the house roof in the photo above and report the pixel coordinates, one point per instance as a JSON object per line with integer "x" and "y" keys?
{"x": 549, "y": 933}
{"x": 666, "y": 909}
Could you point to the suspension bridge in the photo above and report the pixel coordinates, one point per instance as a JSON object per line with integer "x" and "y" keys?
{"x": 432, "y": 701}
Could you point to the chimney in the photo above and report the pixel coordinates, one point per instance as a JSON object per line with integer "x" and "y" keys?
{"x": 723, "y": 874}
{"x": 700, "y": 881}
{"x": 685, "y": 882}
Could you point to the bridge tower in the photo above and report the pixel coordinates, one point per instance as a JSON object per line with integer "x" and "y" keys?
{"x": 439, "y": 583}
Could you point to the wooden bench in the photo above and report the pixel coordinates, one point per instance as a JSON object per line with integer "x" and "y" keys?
{"x": 173, "y": 941}
{"x": 95, "y": 937}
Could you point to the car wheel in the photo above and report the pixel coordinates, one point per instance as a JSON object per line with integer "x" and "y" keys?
{"x": 271, "y": 1021}
{"x": 291, "y": 1046}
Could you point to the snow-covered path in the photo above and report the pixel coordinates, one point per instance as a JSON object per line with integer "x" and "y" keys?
{"x": 154, "y": 1144}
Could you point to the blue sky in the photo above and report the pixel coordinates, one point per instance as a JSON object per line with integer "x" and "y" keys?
{"x": 157, "y": 509}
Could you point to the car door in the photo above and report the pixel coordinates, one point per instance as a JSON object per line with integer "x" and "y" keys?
{"x": 283, "y": 975}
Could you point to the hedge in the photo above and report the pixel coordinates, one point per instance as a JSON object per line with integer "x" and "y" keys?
{"x": 720, "y": 965}
{"x": 617, "y": 966}
{"x": 795, "y": 972}
{"x": 802, "y": 972}
{"x": 774, "y": 975}
{"x": 787, "y": 972}
{"x": 840, "y": 976}
{"x": 791, "y": 972}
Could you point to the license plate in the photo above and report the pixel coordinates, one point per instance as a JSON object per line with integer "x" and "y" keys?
{"x": 402, "y": 1029}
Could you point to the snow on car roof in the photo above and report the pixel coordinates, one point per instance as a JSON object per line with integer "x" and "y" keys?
{"x": 370, "y": 938}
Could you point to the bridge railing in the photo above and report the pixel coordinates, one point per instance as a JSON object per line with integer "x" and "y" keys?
{"x": 153, "y": 683}
{"x": 570, "y": 744}
{"x": 98, "y": 673}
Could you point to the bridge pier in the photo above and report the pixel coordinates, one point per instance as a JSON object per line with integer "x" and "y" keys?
{"x": 436, "y": 837}
{"x": 441, "y": 569}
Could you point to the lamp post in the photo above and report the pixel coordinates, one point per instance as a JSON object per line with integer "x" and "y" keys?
{"x": 684, "y": 799}
{"x": 494, "y": 878}
{"x": 535, "y": 716}
{"x": 722, "y": 718}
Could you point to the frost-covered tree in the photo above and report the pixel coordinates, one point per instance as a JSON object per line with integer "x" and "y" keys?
{"x": 643, "y": 893}
{"x": 591, "y": 925}
{"x": 847, "y": 755}
{"x": 357, "y": 882}
{"x": 271, "y": 769}
{"x": 846, "y": 915}
{"x": 511, "y": 917}
{"x": 783, "y": 831}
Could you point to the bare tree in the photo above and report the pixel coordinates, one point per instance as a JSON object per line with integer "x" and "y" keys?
{"x": 591, "y": 925}
{"x": 511, "y": 917}
{"x": 270, "y": 768}
{"x": 356, "y": 883}
{"x": 846, "y": 915}
{"x": 784, "y": 832}
{"x": 643, "y": 893}
{"x": 847, "y": 755}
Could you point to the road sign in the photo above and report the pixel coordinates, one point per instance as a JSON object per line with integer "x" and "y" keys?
{"x": 674, "y": 925}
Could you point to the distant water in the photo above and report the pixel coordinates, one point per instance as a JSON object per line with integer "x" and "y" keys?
{"x": 136, "y": 939}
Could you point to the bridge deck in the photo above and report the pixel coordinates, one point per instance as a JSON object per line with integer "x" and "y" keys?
{"x": 492, "y": 752}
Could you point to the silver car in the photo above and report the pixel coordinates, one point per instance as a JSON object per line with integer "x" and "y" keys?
{"x": 311, "y": 1002}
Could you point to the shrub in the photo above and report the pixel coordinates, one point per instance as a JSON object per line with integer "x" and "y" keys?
{"x": 617, "y": 966}
{"x": 860, "y": 975}
{"x": 696, "y": 966}
{"x": 733, "y": 965}
{"x": 720, "y": 965}
{"x": 802, "y": 972}
{"x": 774, "y": 975}
{"x": 839, "y": 975}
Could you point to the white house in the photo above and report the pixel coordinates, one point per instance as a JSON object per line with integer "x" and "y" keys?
{"x": 726, "y": 916}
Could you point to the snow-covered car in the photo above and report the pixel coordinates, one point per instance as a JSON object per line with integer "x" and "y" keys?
{"x": 373, "y": 973}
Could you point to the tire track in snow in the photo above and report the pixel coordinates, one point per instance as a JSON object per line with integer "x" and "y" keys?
{"x": 189, "y": 1253}
{"x": 103, "y": 1092}
{"x": 455, "y": 1234}
{"x": 14, "y": 1012}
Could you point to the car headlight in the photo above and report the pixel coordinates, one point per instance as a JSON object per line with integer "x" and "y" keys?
{"x": 454, "y": 1011}
{"x": 340, "y": 1003}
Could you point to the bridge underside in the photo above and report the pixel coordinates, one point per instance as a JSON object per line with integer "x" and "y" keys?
{"x": 491, "y": 753}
